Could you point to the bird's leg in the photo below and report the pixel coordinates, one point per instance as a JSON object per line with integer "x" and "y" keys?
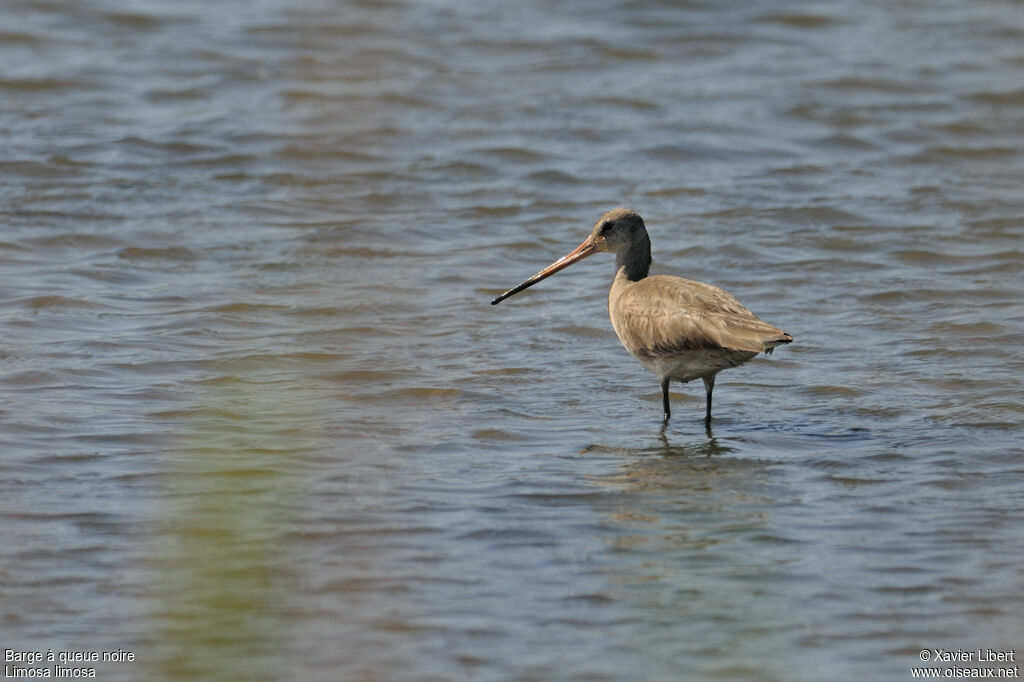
{"x": 664, "y": 398}
{"x": 709, "y": 386}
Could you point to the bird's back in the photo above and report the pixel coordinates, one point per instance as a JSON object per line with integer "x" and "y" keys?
{"x": 660, "y": 318}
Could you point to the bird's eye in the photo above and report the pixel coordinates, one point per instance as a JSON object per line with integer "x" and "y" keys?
{"x": 607, "y": 227}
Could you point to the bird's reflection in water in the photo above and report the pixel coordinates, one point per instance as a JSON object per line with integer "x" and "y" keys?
{"x": 679, "y": 530}
{"x": 699, "y": 447}
{"x": 693, "y": 473}
{"x": 708, "y": 448}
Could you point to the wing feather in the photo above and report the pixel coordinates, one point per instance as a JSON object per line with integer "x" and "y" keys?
{"x": 661, "y": 315}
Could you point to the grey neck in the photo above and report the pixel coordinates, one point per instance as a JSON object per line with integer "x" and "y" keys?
{"x": 636, "y": 259}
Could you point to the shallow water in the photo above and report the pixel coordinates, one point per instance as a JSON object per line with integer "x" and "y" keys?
{"x": 260, "y": 422}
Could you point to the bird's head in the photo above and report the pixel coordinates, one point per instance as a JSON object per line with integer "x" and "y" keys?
{"x": 616, "y": 231}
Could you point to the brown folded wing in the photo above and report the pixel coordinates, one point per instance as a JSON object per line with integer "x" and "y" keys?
{"x": 661, "y": 316}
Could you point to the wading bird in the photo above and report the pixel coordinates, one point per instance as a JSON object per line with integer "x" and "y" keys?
{"x": 678, "y": 328}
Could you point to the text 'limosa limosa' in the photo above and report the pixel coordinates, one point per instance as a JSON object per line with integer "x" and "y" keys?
{"x": 678, "y": 328}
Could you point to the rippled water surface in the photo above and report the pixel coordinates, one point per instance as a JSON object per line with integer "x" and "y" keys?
{"x": 258, "y": 420}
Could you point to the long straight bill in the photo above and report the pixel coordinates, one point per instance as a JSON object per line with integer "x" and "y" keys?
{"x": 577, "y": 254}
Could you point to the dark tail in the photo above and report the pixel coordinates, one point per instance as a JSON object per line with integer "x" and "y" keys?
{"x": 769, "y": 344}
